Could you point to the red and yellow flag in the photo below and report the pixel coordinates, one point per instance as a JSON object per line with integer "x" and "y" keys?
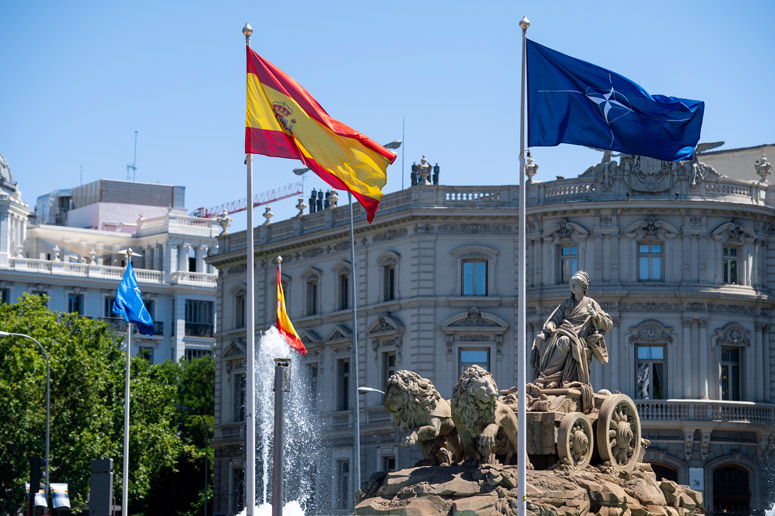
{"x": 284, "y": 324}
{"x": 284, "y": 121}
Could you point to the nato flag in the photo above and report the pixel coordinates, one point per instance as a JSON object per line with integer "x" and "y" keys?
{"x": 129, "y": 303}
{"x": 572, "y": 101}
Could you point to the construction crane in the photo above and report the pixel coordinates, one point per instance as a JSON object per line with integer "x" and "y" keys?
{"x": 277, "y": 194}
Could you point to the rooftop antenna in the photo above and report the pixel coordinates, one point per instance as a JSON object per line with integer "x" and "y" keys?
{"x": 133, "y": 166}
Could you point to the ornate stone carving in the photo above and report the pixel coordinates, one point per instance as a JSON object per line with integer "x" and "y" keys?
{"x": 650, "y": 332}
{"x": 705, "y": 444}
{"x": 648, "y": 175}
{"x": 651, "y": 227}
{"x": 565, "y": 230}
{"x": 733, "y": 334}
{"x": 391, "y": 234}
{"x": 734, "y": 231}
{"x": 688, "y": 443}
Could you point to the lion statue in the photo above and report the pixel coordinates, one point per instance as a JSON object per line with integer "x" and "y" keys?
{"x": 418, "y": 408}
{"x": 480, "y": 417}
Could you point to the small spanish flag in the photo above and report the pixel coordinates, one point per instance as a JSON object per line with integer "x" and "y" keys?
{"x": 284, "y": 324}
{"x": 284, "y": 121}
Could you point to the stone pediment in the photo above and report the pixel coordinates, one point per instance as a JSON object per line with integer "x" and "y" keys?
{"x": 340, "y": 333}
{"x": 565, "y": 230}
{"x": 309, "y": 337}
{"x": 385, "y": 326}
{"x": 234, "y": 350}
{"x": 734, "y": 231}
{"x": 475, "y": 321}
{"x": 651, "y": 227}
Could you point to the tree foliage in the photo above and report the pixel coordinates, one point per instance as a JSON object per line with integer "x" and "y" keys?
{"x": 87, "y": 409}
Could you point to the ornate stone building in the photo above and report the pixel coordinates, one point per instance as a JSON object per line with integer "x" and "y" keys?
{"x": 68, "y": 249}
{"x": 680, "y": 255}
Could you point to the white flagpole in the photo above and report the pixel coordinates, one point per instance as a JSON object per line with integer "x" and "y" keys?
{"x": 250, "y": 349}
{"x": 125, "y": 478}
{"x": 356, "y": 400}
{"x": 521, "y": 316}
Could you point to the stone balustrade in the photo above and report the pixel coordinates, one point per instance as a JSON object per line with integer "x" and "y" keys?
{"x": 584, "y": 188}
{"x": 706, "y": 411}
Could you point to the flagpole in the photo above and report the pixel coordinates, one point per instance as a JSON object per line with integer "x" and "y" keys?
{"x": 250, "y": 348}
{"x": 521, "y": 316}
{"x": 125, "y": 478}
{"x": 356, "y": 401}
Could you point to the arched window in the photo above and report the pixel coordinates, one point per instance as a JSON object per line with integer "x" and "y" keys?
{"x": 665, "y": 472}
{"x": 731, "y": 490}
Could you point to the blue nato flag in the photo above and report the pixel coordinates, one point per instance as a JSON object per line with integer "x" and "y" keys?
{"x": 129, "y": 303}
{"x": 572, "y": 101}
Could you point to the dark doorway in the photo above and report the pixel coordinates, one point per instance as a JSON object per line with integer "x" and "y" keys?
{"x": 731, "y": 491}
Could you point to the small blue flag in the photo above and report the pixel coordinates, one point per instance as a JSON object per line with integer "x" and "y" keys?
{"x": 129, "y": 303}
{"x": 572, "y": 101}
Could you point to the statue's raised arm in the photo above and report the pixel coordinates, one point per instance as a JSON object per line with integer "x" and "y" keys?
{"x": 571, "y": 335}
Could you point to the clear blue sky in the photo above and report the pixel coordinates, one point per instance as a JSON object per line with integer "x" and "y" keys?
{"x": 78, "y": 78}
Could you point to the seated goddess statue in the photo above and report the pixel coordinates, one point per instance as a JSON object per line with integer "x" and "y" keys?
{"x": 573, "y": 333}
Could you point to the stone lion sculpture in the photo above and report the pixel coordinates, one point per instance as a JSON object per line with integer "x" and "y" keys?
{"x": 418, "y": 408}
{"x": 479, "y": 416}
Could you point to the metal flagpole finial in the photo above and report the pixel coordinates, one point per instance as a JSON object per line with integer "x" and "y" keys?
{"x": 247, "y": 30}
{"x": 524, "y": 23}
{"x": 279, "y": 259}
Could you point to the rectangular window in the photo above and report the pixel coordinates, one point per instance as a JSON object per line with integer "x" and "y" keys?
{"x": 239, "y": 311}
{"x": 650, "y": 372}
{"x": 569, "y": 262}
{"x": 474, "y": 277}
{"x": 650, "y": 261}
{"x": 388, "y": 366}
{"x": 5, "y": 295}
{"x": 75, "y": 303}
{"x": 312, "y": 378}
{"x": 191, "y": 354}
{"x": 107, "y": 307}
{"x": 238, "y": 398}
{"x": 343, "y": 385}
{"x": 388, "y": 282}
{"x": 312, "y": 297}
{"x": 344, "y": 291}
{"x": 388, "y": 463}
{"x": 730, "y": 373}
{"x": 146, "y": 352}
{"x": 237, "y": 490}
{"x": 343, "y": 483}
{"x": 199, "y": 318}
{"x": 730, "y": 265}
{"x": 41, "y": 293}
{"x": 150, "y": 305}
{"x": 473, "y": 356}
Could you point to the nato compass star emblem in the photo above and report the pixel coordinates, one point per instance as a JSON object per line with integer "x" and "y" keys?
{"x": 610, "y": 104}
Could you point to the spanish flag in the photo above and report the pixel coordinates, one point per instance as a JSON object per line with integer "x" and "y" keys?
{"x": 284, "y": 324}
{"x": 284, "y": 121}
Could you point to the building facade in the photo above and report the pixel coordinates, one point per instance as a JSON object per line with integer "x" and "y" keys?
{"x": 70, "y": 250}
{"x": 681, "y": 255}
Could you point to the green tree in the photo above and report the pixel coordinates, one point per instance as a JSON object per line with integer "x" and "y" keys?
{"x": 87, "y": 400}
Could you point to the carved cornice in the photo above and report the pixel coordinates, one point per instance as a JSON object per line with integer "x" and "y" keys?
{"x": 734, "y": 231}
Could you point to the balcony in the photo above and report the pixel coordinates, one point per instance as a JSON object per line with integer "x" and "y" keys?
{"x": 199, "y": 329}
{"x": 661, "y": 413}
{"x": 119, "y": 325}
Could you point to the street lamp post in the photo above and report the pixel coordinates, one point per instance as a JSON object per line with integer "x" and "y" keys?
{"x": 48, "y": 404}
{"x": 207, "y": 448}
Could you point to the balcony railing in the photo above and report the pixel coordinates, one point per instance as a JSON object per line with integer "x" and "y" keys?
{"x": 194, "y": 278}
{"x": 199, "y": 329}
{"x": 702, "y": 410}
{"x": 119, "y": 325}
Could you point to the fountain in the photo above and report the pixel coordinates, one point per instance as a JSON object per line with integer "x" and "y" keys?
{"x": 301, "y": 453}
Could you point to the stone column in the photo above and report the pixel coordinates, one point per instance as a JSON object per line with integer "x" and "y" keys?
{"x": 606, "y": 258}
{"x": 749, "y": 368}
{"x": 687, "y": 359}
{"x": 183, "y": 257}
{"x": 704, "y": 351}
{"x": 615, "y": 350}
{"x": 762, "y": 371}
{"x": 200, "y": 258}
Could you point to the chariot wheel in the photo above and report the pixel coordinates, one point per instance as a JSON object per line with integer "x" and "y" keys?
{"x": 618, "y": 432}
{"x": 575, "y": 439}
